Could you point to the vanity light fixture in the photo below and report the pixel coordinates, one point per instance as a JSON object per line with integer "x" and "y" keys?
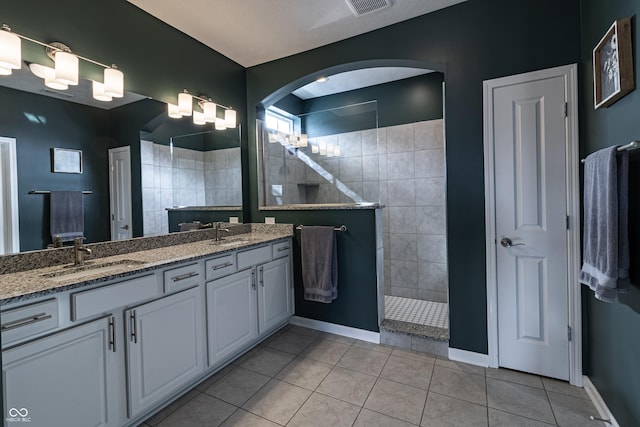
{"x": 66, "y": 68}
{"x": 209, "y": 113}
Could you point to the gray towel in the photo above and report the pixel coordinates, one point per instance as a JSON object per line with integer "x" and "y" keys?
{"x": 66, "y": 215}
{"x": 605, "y": 267}
{"x": 319, "y": 264}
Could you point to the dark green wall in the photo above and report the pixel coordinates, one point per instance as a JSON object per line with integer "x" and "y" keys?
{"x": 469, "y": 42}
{"x": 612, "y": 331}
{"x": 61, "y": 124}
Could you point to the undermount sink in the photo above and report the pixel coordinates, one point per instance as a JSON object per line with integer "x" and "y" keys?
{"x": 231, "y": 242}
{"x": 72, "y": 271}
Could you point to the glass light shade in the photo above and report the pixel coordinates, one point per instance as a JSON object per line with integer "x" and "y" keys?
{"x": 113, "y": 82}
{"x": 37, "y": 70}
{"x": 5, "y": 71}
{"x": 198, "y": 118}
{"x": 329, "y": 150}
{"x": 173, "y": 111}
{"x": 230, "y": 118}
{"x": 220, "y": 124}
{"x": 66, "y": 68}
{"x": 315, "y": 149}
{"x": 10, "y": 51}
{"x": 336, "y": 150}
{"x": 50, "y": 80}
{"x": 98, "y": 92}
{"x": 304, "y": 140}
{"x": 209, "y": 109}
{"x": 185, "y": 104}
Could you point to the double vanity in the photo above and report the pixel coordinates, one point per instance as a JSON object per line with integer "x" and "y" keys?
{"x": 110, "y": 342}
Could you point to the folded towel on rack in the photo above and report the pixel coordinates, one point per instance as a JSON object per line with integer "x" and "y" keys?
{"x": 605, "y": 267}
{"x": 319, "y": 264}
{"x": 66, "y": 214}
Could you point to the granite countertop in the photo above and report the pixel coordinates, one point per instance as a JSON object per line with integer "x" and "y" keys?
{"x": 325, "y": 206}
{"x": 205, "y": 208}
{"x": 37, "y": 282}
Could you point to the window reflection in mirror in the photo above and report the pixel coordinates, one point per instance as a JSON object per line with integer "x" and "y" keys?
{"x": 323, "y": 157}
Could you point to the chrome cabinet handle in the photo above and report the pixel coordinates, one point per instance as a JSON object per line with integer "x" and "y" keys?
{"x": 132, "y": 327}
{"x": 219, "y": 266}
{"x": 112, "y": 333}
{"x": 253, "y": 279}
{"x": 185, "y": 276}
{"x": 284, "y": 248}
{"x": 262, "y": 276}
{"x": 24, "y": 322}
{"x": 508, "y": 243}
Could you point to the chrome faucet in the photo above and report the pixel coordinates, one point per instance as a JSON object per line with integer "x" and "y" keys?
{"x": 79, "y": 251}
{"x": 219, "y": 230}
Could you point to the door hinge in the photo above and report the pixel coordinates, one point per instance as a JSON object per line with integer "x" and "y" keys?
{"x": 566, "y": 109}
{"x": 567, "y": 222}
{"x": 569, "y": 332}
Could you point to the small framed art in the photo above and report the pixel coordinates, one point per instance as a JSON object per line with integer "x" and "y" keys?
{"x": 64, "y": 160}
{"x": 613, "y": 64}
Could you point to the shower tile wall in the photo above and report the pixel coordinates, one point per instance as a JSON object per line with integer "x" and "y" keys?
{"x": 403, "y": 167}
{"x": 190, "y": 178}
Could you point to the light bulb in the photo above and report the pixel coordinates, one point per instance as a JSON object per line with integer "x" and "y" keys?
{"x": 230, "y": 118}
{"x": 66, "y": 68}
{"x": 98, "y": 92}
{"x": 10, "y": 52}
{"x": 185, "y": 104}
{"x": 173, "y": 112}
{"x": 113, "y": 82}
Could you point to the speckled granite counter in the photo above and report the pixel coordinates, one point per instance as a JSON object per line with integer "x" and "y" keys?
{"x": 325, "y": 206}
{"x": 133, "y": 257}
{"x": 205, "y": 208}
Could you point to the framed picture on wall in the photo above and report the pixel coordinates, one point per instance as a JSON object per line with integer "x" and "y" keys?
{"x": 64, "y": 160}
{"x": 613, "y": 64}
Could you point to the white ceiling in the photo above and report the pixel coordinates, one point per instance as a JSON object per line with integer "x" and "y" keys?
{"x": 253, "y": 32}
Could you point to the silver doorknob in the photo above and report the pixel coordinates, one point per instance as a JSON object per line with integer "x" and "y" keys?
{"x": 507, "y": 243}
{"x": 126, "y": 227}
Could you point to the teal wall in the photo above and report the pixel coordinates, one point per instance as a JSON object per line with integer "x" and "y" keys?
{"x": 612, "y": 331}
{"x": 61, "y": 124}
{"x": 469, "y": 42}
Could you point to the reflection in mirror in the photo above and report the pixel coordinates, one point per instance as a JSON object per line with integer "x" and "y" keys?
{"x": 185, "y": 168}
{"x": 324, "y": 157}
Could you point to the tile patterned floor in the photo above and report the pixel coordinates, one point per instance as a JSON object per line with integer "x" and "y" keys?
{"x": 421, "y": 312}
{"x": 302, "y": 377}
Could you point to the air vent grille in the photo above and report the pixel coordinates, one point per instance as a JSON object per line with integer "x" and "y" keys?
{"x": 364, "y": 7}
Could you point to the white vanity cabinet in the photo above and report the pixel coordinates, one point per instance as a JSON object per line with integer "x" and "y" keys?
{"x": 244, "y": 306}
{"x": 164, "y": 347}
{"x": 63, "y": 379}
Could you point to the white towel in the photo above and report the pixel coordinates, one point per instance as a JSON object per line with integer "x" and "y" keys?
{"x": 605, "y": 266}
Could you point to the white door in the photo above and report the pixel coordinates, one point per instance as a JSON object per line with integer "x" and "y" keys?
{"x": 9, "y": 225}
{"x": 529, "y": 152}
{"x": 120, "y": 193}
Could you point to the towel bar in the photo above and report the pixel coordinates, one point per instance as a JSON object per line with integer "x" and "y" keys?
{"x": 630, "y": 146}
{"x": 49, "y": 192}
{"x": 341, "y": 228}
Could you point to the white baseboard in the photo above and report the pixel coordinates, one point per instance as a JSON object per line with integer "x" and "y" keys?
{"x": 597, "y": 400}
{"x": 469, "y": 357}
{"x": 332, "y": 328}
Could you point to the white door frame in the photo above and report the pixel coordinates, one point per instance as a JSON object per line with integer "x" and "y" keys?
{"x": 10, "y": 165}
{"x": 569, "y": 72}
{"x": 112, "y": 189}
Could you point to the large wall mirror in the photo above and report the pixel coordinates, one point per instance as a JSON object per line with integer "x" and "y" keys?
{"x": 34, "y": 119}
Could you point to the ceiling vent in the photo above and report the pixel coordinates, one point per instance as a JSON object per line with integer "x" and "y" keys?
{"x": 365, "y": 7}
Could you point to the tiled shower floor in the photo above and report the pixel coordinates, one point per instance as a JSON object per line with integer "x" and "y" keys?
{"x": 427, "y": 313}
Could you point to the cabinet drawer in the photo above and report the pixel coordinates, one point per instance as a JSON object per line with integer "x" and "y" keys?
{"x": 253, "y": 257}
{"x": 281, "y": 249}
{"x": 219, "y": 267}
{"x": 102, "y": 300}
{"x": 182, "y": 278}
{"x": 29, "y": 320}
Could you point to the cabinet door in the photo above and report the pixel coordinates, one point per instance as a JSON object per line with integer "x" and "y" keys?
{"x": 274, "y": 293}
{"x": 64, "y": 379}
{"x": 231, "y": 314}
{"x": 164, "y": 342}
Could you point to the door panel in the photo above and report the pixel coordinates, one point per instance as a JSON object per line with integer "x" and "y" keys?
{"x": 120, "y": 188}
{"x": 531, "y": 206}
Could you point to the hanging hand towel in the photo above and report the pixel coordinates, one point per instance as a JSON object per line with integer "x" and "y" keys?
{"x": 605, "y": 266}
{"x": 319, "y": 264}
{"x": 66, "y": 214}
